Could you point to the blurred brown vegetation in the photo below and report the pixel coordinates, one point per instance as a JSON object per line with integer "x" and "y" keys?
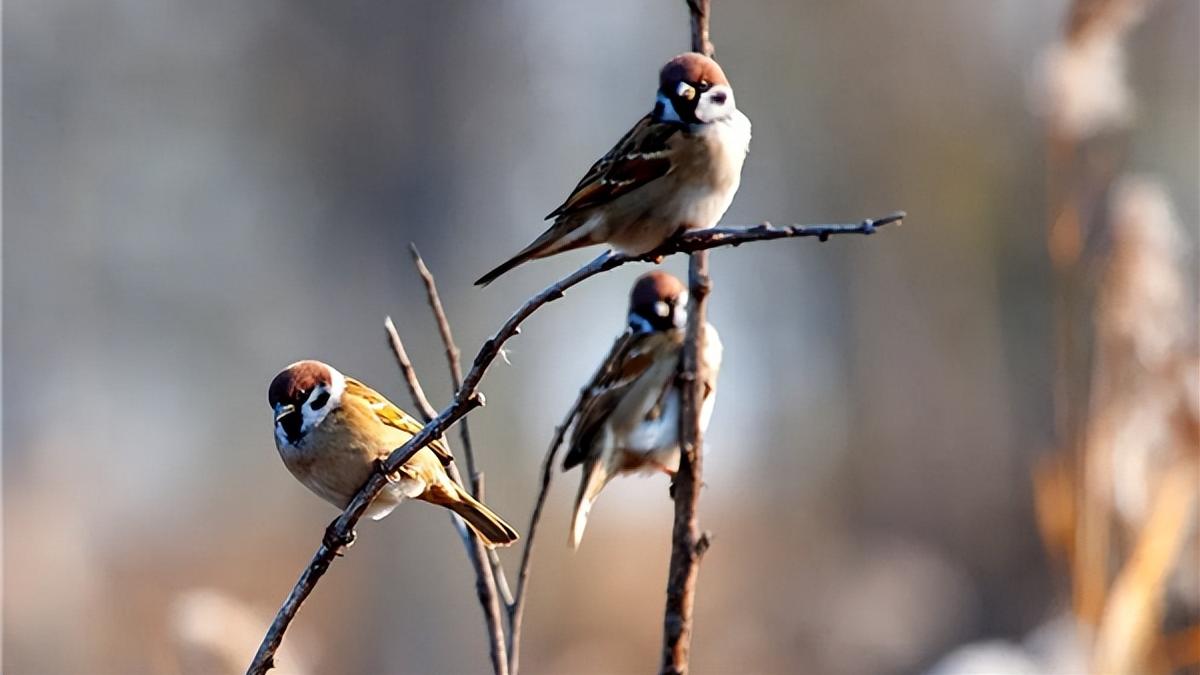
{"x": 200, "y": 193}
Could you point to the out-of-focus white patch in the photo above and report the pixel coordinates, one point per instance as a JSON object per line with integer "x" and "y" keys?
{"x": 213, "y": 632}
{"x": 1081, "y": 85}
{"x": 984, "y": 658}
{"x": 662, "y": 309}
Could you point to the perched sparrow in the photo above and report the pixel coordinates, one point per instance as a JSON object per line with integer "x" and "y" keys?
{"x": 629, "y": 419}
{"x": 677, "y": 169}
{"x": 331, "y": 430}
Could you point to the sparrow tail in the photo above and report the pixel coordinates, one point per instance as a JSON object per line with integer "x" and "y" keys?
{"x": 595, "y": 477}
{"x": 506, "y": 266}
{"x": 557, "y": 239}
{"x": 490, "y": 527}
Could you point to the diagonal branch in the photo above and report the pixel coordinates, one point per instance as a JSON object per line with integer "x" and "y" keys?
{"x": 516, "y": 612}
{"x": 467, "y": 398}
{"x": 477, "y": 553}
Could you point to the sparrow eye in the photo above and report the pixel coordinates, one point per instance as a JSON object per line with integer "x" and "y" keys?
{"x": 320, "y": 401}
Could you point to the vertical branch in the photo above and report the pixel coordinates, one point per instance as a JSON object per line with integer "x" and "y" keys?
{"x": 698, "y": 9}
{"x": 516, "y": 611}
{"x": 688, "y": 544}
{"x": 453, "y": 356}
{"x": 453, "y": 359}
{"x": 477, "y": 553}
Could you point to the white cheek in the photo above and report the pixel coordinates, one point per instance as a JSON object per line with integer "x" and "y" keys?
{"x": 311, "y": 417}
{"x": 709, "y": 110}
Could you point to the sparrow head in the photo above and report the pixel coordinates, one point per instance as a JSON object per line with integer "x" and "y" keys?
{"x": 658, "y": 302}
{"x": 692, "y": 89}
{"x": 301, "y": 396}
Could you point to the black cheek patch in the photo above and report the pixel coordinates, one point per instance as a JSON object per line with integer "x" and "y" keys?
{"x": 320, "y": 401}
{"x": 291, "y": 424}
{"x": 686, "y": 109}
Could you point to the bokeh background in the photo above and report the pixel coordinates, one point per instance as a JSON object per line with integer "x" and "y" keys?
{"x": 199, "y": 193}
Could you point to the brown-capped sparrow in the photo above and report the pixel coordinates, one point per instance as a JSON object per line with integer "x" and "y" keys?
{"x": 677, "y": 169}
{"x": 629, "y": 418}
{"x": 332, "y": 430}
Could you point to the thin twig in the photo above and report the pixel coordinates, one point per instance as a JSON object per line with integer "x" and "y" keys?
{"x": 467, "y": 398}
{"x": 516, "y": 612}
{"x": 454, "y": 361}
{"x": 477, "y": 553}
{"x": 688, "y": 544}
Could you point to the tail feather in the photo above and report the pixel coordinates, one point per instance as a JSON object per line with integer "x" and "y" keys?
{"x": 557, "y": 239}
{"x": 518, "y": 259}
{"x": 490, "y": 527}
{"x": 595, "y": 477}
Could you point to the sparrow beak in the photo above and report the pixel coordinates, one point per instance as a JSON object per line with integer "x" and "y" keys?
{"x": 283, "y": 411}
{"x": 685, "y": 91}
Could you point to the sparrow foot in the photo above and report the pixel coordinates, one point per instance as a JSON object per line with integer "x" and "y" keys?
{"x": 396, "y": 475}
{"x": 337, "y": 542}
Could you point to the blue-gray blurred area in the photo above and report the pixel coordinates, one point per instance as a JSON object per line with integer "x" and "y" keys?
{"x": 199, "y": 193}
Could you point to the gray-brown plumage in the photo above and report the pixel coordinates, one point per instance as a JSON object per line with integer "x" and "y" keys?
{"x": 678, "y": 168}
{"x": 629, "y": 420}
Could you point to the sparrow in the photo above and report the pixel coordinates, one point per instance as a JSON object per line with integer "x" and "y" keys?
{"x": 629, "y": 415}
{"x": 332, "y": 431}
{"x": 676, "y": 169}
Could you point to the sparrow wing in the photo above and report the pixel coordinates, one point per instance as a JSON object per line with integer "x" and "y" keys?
{"x": 641, "y": 156}
{"x": 618, "y": 377}
{"x": 394, "y": 417}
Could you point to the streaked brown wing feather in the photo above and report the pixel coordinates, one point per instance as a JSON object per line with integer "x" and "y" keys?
{"x": 641, "y": 156}
{"x": 631, "y": 356}
{"x": 394, "y": 417}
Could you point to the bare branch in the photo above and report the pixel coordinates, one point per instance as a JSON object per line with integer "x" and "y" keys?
{"x": 453, "y": 360}
{"x": 516, "y": 612}
{"x": 477, "y": 553}
{"x": 687, "y": 543}
{"x": 420, "y": 401}
{"x": 467, "y": 398}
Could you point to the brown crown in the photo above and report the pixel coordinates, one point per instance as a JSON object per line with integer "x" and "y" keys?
{"x": 691, "y": 68}
{"x": 653, "y": 287}
{"x": 294, "y": 383}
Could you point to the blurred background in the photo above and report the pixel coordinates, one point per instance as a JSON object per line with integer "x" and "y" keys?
{"x": 200, "y": 193}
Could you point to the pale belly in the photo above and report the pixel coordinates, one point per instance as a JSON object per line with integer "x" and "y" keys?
{"x": 653, "y": 445}
{"x": 693, "y": 196}
{"x": 336, "y": 477}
